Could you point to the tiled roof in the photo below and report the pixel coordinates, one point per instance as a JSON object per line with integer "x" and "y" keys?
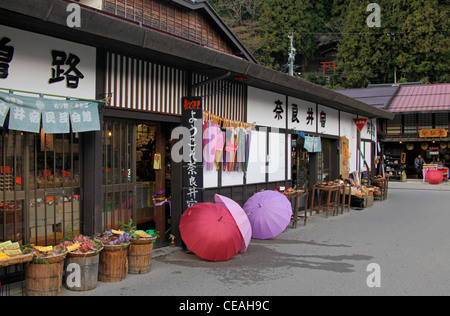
{"x": 378, "y": 97}
{"x": 422, "y": 98}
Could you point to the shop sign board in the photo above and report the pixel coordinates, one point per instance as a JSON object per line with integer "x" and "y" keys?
{"x": 43, "y": 64}
{"x": 192, "y": 167}
{"x": 433, "y": 133}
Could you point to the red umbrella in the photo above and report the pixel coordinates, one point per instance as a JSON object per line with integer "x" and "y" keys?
{"x": 209, "y": 231}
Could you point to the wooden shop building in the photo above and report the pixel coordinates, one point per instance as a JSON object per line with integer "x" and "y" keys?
{"x": 121, "y": 75}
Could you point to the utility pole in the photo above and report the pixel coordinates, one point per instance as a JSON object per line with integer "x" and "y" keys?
{"x": 291, "y": 58}
{"x": 394, "y": 37}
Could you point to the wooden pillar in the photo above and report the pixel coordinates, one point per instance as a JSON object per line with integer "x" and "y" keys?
{"x": 160, "y": 182}
{"x": 92, "y": 182}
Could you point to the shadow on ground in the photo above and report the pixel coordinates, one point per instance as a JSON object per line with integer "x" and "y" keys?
{"x": 265, "y": 260}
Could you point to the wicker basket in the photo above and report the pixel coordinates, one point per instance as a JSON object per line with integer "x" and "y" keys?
{"x": 16, "y": 260}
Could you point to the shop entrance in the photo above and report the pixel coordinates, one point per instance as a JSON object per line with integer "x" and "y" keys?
{"x": 136, "y": 175}
{"x": 300, "y": 163}
{"x": 328, "y": 162}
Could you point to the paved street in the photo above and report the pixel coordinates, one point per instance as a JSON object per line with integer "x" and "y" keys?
{"x": 407, "y": 235}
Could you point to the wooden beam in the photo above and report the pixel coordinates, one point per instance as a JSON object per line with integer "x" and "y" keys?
{"x": 160, "y": 182}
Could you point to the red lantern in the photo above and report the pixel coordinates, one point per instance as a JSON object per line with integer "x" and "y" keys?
{"x": 435, "y": 177}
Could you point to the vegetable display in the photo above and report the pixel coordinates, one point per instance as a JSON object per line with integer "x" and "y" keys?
{"x": 114, "y": 237}
{"x": 40, "y": 252}
{"x": 81, "y": 244}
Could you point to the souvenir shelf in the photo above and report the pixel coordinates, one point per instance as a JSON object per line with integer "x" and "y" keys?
{"x": 394, "y": 166}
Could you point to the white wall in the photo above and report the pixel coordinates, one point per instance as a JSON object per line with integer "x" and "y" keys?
{"x": 277, "y": 157}
{"x": 256, "y": 171}
{"x": 349, "y": 130}
{"x": 210, "y": 177}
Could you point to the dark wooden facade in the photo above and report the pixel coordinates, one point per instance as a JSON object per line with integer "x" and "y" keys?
{"x": 168, "y": 17}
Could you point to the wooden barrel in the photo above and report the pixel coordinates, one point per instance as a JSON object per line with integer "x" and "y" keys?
{"x": 87, "y": 269}
{"x": 44, "y": 278}
{"x": 113, "y": 265}
{"x": 140, "y": 255}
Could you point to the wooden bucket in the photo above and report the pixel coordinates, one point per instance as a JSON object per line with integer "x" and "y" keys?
{"x": 88, "y": 268}
{"x": 140, "y": 255}
{"x": 113, "y": 265}
{"x": 44, "y": 278}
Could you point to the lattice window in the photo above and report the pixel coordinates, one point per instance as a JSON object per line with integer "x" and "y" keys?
{"x": 410, "y": 124}
{"x": 425, "y": 120}
{"x": 441, "y": 120}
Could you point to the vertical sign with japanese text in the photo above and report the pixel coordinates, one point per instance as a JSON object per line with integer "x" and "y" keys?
{"x": 192, "y": 174}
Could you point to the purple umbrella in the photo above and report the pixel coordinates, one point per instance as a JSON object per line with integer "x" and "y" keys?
{"x": 269, "y": 213}
{"x": 240, "y": 217}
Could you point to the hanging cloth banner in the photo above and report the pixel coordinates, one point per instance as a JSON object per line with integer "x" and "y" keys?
{"x": 25, "y": 114}
{"x": 313, "y": 144}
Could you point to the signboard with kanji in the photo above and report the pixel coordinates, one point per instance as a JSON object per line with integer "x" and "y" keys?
{"x": 43, "y": 64}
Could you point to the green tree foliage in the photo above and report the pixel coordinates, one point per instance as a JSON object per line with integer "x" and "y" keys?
{"x": 413, "y": 40}
{"x": 279, "y": 18}
{"x": 243, "y": 17}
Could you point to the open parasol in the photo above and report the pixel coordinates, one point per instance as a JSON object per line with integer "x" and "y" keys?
{"x": 209, "y": 231}
{"x": 239, "y": 216}
{"x": 269, "y": 213}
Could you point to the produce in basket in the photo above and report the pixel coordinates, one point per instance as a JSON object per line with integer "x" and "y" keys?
{"x": 113, "y": 237}
{"x": 40, "y": 252}
{"x": 10, "y": 249}
{"x": 81, "y": 244}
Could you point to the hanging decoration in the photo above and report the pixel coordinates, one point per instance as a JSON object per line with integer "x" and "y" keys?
{"x": 225, "y": 141}
{"x": 26, "y": 114}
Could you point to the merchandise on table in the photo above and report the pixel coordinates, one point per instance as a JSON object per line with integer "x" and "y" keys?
{"x": 9, "y": 249}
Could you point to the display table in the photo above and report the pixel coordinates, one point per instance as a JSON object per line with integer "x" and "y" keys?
{"x": 332, "y": 193}
{"x": 296, "y": 194}
{"x": 8, "y": 262}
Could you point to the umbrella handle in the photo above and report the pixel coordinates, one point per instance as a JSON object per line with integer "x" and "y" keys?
{"x": 220, "y": 219}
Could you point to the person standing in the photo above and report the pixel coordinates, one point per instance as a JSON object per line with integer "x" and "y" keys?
{"x": 418, "y": 163}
